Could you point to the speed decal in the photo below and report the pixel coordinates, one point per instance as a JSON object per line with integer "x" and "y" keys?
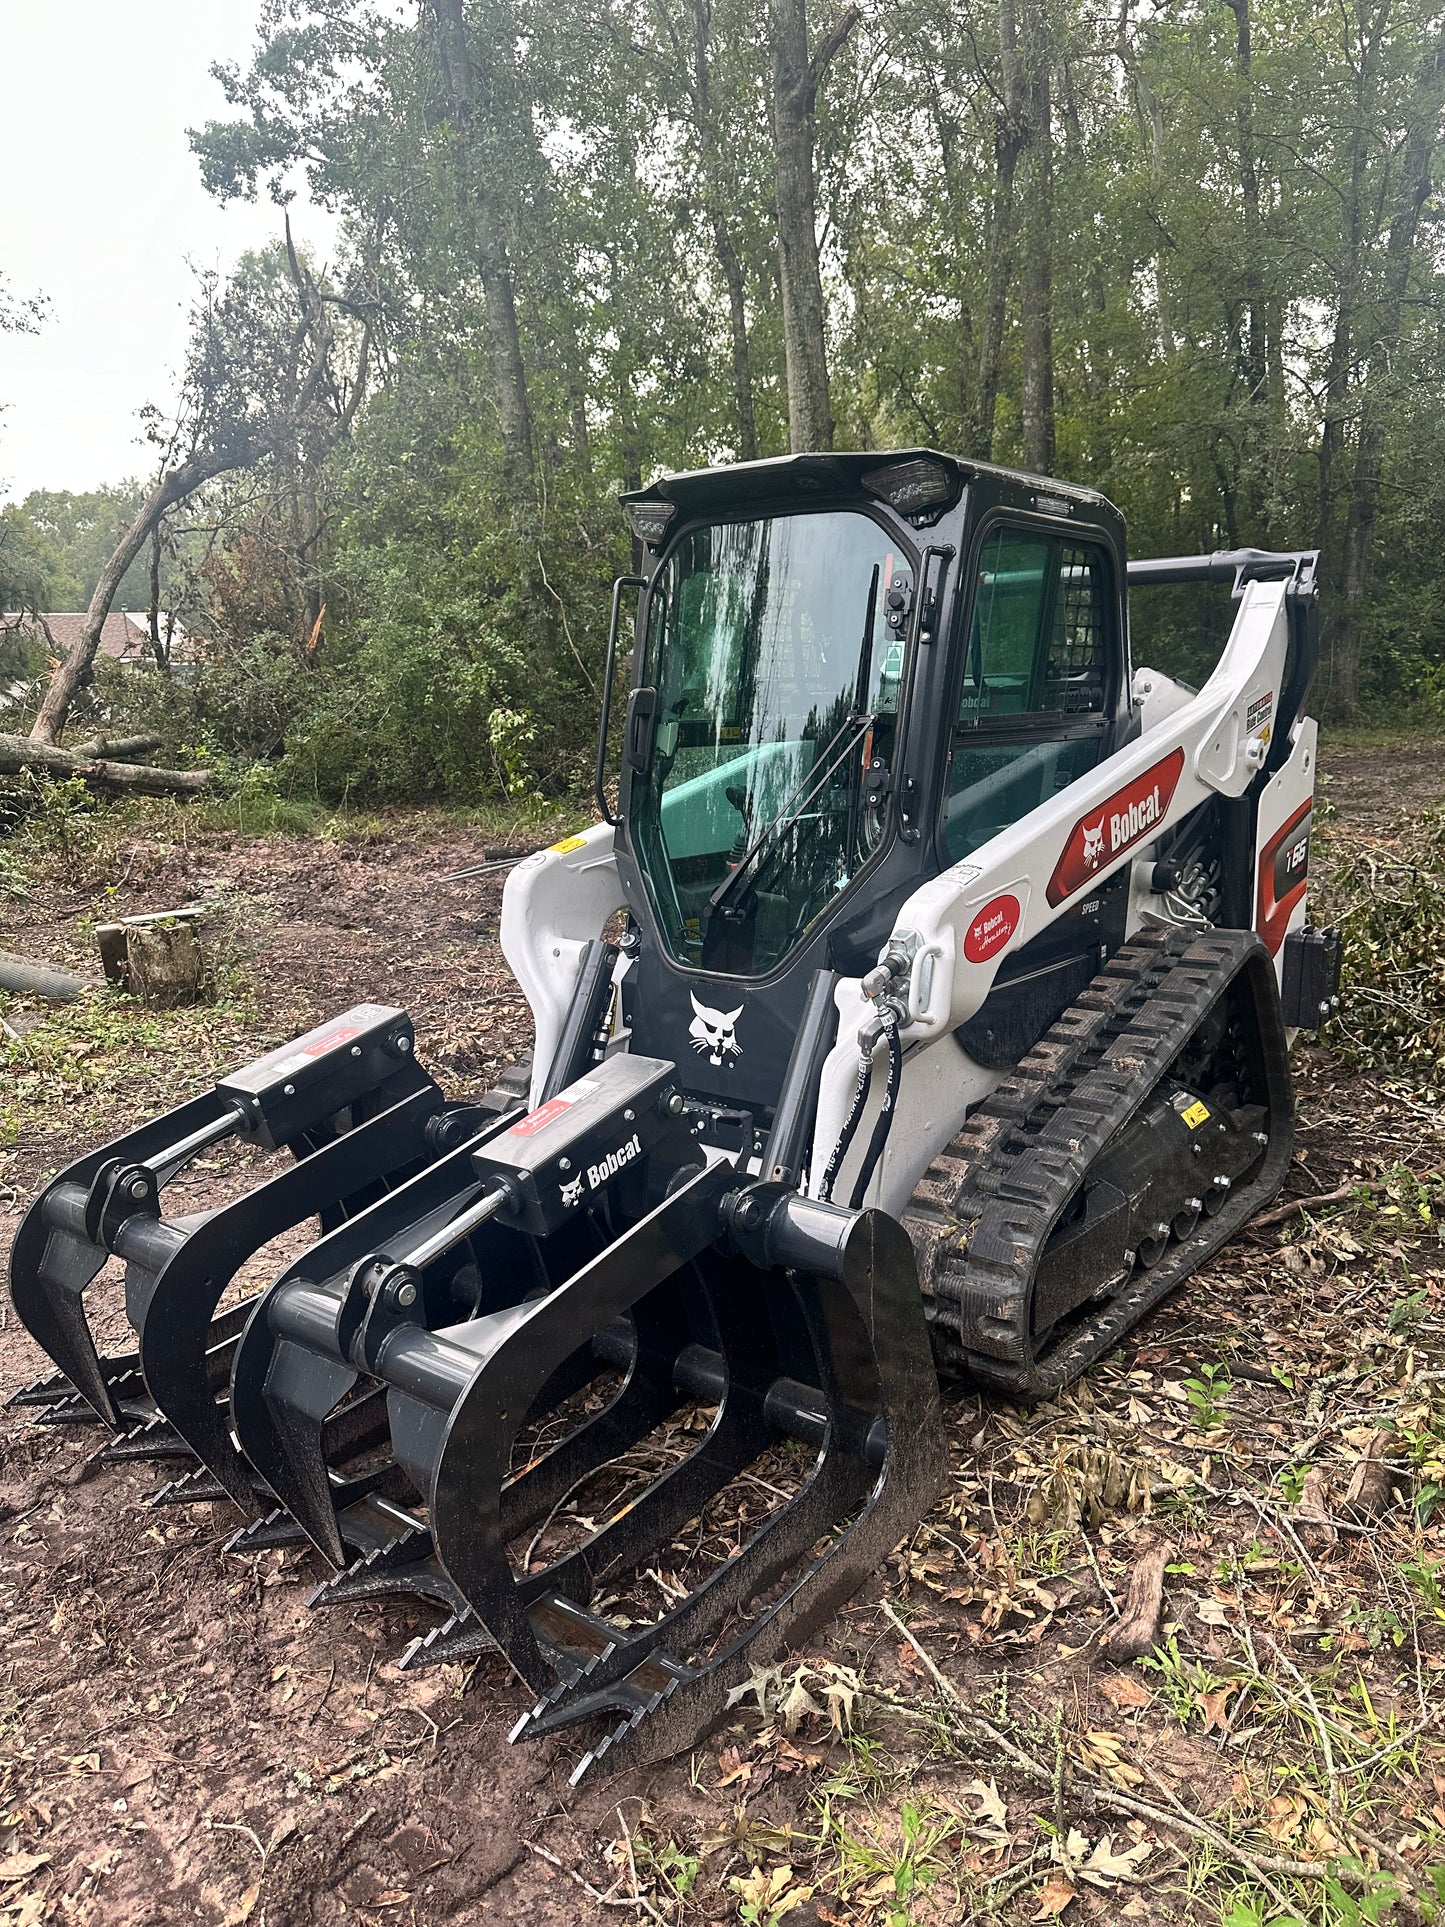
{"x": 1110, "y": 828}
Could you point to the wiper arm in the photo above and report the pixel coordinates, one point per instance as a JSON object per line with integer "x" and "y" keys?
{"x": 834, "y": 751}
{"x": 843, "y": 736}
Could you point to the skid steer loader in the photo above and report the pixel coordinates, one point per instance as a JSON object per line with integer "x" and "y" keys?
{"x": 921, "y": 1009}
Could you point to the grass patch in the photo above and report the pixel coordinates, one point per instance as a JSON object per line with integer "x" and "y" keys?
{"x": 86, "y": 1056}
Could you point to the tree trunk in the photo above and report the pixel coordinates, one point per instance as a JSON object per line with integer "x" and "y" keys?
{"x": 727, "y": 254}
{"x": 172, "y": 487}
{"x": 796, "y": 78}
{"x": 1008, "y": 139}
{"x": 514, "y": 417}
{"x": 1036, "y": 287}
{"x": 1337, "y": 369}
{"x": 1421, "y": 145}
{"x": 19, "y": 753}
{"x": 1251, "y": 331}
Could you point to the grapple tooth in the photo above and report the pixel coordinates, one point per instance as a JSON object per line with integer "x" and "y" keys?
{"x": 272, "y": 1531}
{"x": 458, "y": 1639}
{"x": 196, "y": 1487}
{"x": 48, "y": 1389}
{"x": 74, "y": 1410}
{"x": 149, "y": 1438}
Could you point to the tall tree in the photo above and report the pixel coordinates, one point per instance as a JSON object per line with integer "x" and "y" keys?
{"x": 257, "y": 376}
{"x": 1383, "y": 384}
{"x": 797, "y": 76}
{"x": 476, "y": 172}
{"x": 1036, "y": 292}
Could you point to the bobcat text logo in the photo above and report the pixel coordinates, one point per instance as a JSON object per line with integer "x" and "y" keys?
{"x": 571, "y": 1193}
{"x": 1131, "y": 823}
{"x": 1094, "y": 842}
{"x": 608, "y": 1167}
{"x": 713, "y": 1032}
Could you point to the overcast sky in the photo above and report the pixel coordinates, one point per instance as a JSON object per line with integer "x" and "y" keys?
{"x": 101, "y": 209}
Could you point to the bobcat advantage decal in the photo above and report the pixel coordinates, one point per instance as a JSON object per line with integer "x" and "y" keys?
{"x": 1109, "y": 828}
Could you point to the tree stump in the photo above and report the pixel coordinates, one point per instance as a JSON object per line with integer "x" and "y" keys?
{"x": 163, "y": 964}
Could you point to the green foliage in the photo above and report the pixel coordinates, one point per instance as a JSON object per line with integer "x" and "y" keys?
{"x": 82, "y": 530}
{"x": 1207, "y": 1392}
{"x": 571, "y": 283}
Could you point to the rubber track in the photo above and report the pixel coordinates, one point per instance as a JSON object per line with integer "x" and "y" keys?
{"x": 982, "y": 1213}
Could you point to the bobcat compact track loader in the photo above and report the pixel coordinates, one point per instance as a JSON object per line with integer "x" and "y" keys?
{"x": 923, "y": 1008}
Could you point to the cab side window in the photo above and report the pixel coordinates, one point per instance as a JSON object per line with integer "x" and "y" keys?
{"x": 1038, "y": 640}
{"x": 1032, "y": 707}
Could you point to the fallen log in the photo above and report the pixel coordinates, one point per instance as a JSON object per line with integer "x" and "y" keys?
{"x": 122, "y": 747}
{"x": 19, "y": 753}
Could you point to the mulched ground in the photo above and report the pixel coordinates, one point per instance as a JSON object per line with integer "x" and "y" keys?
{"x": 182, "y": 1740}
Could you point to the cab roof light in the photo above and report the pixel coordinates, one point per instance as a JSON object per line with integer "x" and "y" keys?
{"x": 649, "y": 521}
{"x": 919, "y": 489}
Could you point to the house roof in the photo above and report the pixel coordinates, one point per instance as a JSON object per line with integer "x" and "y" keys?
{"x": 124, "y": 638}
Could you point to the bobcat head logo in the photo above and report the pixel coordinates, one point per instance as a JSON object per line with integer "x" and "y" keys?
{"x": 572, "y": 1192}
{"x": 1094, "y": 842}
{"x": 713, "y": 1032}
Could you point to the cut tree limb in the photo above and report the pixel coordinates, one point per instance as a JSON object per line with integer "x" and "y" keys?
{"x": 19, "y": 753}
{"x": 123, "y": 747}
{"x": 1137, "y": 1632}
{"x": 1372, "y": 1489}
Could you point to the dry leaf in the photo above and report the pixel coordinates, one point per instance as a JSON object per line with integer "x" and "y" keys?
{"x": 734, "y": 1767}
{"x": 991, "y": 1802}
{"x": 1103, "y": 1866}
{"x": 797, "y": 1705}
{"x": 245, "y": 1906}
{"x": 19, "y": 1866}
{"x": 772, "y": 1895}
{"x": 1053, "y": 1897}
{"x": 1214, "y": 1708}
{"x": 1124, "y": 1691}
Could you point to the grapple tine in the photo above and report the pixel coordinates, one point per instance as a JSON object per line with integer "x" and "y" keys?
{"x": 292, "y": 1367}
{"x": 187, "y": 1353}
{"x": 108, "y": 1204}
{"x": 153, "y": 1437}
{"x": 872, "y": 1363}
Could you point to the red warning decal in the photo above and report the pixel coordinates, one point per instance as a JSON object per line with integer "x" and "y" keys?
{"x": 991, "y": 929}
{"x": 1126, "y": 818}
{"x": 539, "y": 1119}
{"x": 1284, "y": 868}
{"x": 342, "y": 1034}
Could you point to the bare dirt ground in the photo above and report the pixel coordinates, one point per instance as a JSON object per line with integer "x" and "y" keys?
{"x": 182, "y": 1740}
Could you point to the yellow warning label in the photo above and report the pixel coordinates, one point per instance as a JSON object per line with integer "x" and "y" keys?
{"x": 568, "y": 843}
{"x": 1197, "y": 1114}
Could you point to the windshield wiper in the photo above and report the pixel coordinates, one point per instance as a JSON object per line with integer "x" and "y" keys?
{"x": 833, "y": 753}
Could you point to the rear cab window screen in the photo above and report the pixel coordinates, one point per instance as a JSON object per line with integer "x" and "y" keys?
{"x": 1032, "y": 704}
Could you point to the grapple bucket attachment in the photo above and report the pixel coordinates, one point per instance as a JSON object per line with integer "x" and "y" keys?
{"x": 356, "y": 1112}
{"x": 652, "y": 1337}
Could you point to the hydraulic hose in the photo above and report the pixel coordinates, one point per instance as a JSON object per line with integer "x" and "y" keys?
{"x": 883, "y": 1123}
{"x": 850, "y": 1123}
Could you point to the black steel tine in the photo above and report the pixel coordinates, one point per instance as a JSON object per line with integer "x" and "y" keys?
{"x": 151, "y": 1438}
{"x": 460, "y": 1638}
{"x": 183, "y": 1354}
